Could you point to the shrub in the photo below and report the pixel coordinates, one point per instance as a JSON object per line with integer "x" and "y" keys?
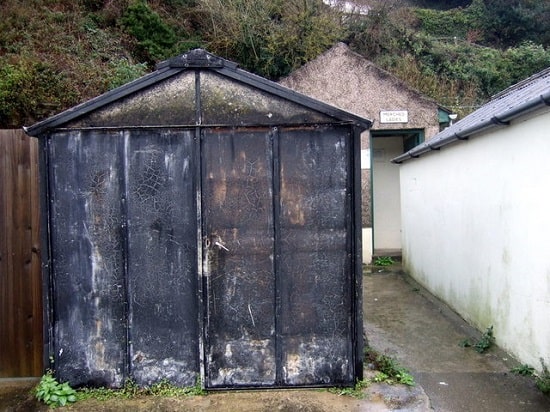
{"x": 29, "y": 91}
{"x": 122, "y": 71}
{"x": 270, "y": 38}
{"x": 155, "y": 38}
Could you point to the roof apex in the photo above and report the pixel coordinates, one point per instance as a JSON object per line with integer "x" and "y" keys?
{"x": 196, "y": 58}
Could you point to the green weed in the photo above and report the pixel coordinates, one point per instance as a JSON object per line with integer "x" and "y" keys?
{"x": 384, "y": 261}
{"x": 390, "y": 371}
{"x": 542, "y": 380}
{"x": 163, "y": 388}
{"x": 53, "y": 393}
{"x": 355, "y": 391}
{"x": 486, "y": 341}
{"x": 523, "y": 370}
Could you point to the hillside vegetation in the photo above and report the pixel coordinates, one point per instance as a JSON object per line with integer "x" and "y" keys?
{"x": 57, "y": 53}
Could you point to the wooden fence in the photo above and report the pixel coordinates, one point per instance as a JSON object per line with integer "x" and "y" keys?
{"x": 20, "y": 276}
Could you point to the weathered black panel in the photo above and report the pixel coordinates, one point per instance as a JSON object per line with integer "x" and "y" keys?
{"x": 314, "y": 263}
{"x": 88, "y": 296}
{"x": 238, "y": 257}
{"x": 162, "y": 257}
{"x": 233, "y": 103}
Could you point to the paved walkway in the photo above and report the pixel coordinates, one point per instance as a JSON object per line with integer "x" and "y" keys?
{"x": 409, "y": 324}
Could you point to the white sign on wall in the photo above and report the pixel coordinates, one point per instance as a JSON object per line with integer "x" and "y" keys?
{"x": 394, "y": 116}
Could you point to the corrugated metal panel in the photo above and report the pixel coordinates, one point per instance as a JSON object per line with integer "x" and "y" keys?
{"x": 124, "y": 287}
{"x": 238, "y": 236}
{"x": 314, "y": 257}
{"x": 280, "y": 279}
{"x": 88, "y": 289}
{"x": 162, "y": 257}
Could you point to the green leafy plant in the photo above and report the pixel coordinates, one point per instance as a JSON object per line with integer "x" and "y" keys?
{"x": 355, "y": 391}
{"x": 384, "y": 261}
{"x": 542, "y": 380}
{"x": 523, "y": 370}
{"x": 486, "y": 341}
{"x": 389, "y": 370}
{"x": 53, "y": 393}
{"x": 128, "y": 391}
{"x": 165, "y": 388}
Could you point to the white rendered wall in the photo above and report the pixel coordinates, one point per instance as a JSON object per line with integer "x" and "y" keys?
{"x": 476, "y": 231}
{"x": 367, "y": 244}
{"x": 386, "y": 193}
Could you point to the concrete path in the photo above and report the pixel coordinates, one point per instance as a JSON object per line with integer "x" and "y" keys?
{"x": 407, "y": 323}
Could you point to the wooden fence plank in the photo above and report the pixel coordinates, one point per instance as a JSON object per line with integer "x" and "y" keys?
{"x": 20, "y": 272}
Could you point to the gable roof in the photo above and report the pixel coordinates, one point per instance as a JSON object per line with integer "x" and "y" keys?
{"x": 517, "y": 100}
{"x": 349, "y": 80}
{"x": 197, "y": 59}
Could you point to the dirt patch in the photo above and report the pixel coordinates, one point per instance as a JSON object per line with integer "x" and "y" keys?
{"x": 16, "y": 396}
{"x": 306, "y": 401}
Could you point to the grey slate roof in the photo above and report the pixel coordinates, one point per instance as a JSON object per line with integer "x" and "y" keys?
{"x": 193, "y": 60}
{"x": 519, "y": 99}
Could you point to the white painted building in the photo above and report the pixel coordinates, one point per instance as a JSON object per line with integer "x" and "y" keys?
{"x": 476, "y": 218}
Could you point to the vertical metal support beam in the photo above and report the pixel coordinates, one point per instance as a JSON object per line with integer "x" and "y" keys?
{"x": 124, "y": 153}
{"x": 201, "y": 281}
{"x": 45, "y": 254}
{"x": 276, "y": 251}
{"x": 357, "y": 263}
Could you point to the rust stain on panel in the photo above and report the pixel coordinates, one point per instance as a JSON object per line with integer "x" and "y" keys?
{"x": 293, "y": 197}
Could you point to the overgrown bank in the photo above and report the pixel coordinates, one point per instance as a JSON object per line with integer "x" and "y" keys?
{"x": 57, "y": 53}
